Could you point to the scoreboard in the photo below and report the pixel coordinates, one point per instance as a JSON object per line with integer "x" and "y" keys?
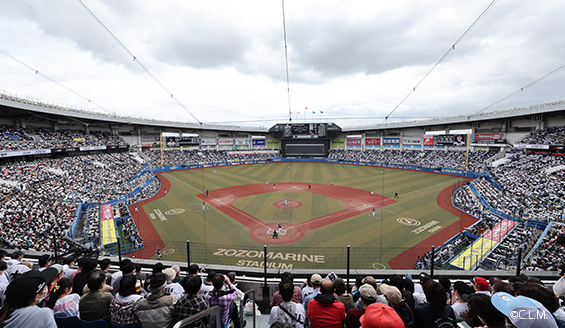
{"x": 307, "y": 139}
{"x": 304, "y": 130}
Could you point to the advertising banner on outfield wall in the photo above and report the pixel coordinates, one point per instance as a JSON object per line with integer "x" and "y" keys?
{"x": 411, "y": 141}
{"x": 241, "y": 142}
{"x": 391, "y": 141}
{"x": 225, "y": 142}
{"x": 373, "y": 142}
{"x": 274, "y": 143}
{"x": 455, "y": 140}
{"x": 209, "y": 141}
{"x": 428, "y": 140}
{"x": 354, "y": 141}
{"x": 258, "y": 142}
{"x": 528, "y": 146}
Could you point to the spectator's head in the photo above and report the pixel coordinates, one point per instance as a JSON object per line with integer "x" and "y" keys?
{"x": 409, "y": 285}
{"x": 287, "y": 276}
{"x": 561, "y": 239}
{"x": 231, "y": 276}
{"x": 70, "y": 261}
{"x": 462, "y": 290}
{"x": 397, "y": 281}
{"x": 27, "y": 289}
{"x": 127, "y": 267}
{"x": 192, "y": 285}
{"x": 480, "y": 284}
{"x": 3, "y": 254}
{"x": 327, "y": 287}
{"x": 89, "y": 266}
{"x": 158, "y": 282}
{"x": 379, "y": 315}
{"x": 368, "y": 294}
{"x": 170, "y": 273}
{"x": 44, "y": 260}
{"x": 127, "y": 284}
{"x": 435, "y": 294}
{"x": 64, "y": 286}
{"x": 445, "y": 282}
{"x": 17, "y": 255}
{"x": 481, "y": 305}
{"x": 210, "y": 276}
{"x": 286, "y": 289}
{"x": 359, "y": 281}
{"x": 371, "y": 281}
{"x": 392, "y": 294}
{"x": 502, "y": 286}
{"x": 541, "y": 294}
{"x": 218, "y": 281}
{"x": 158, "y": 267}
{"x": 534, "y": 314}
{"x": 105, "y": 264}
{"x": 96, "y": 280}
{"x": 316, "y": 280}
{"x": 339, "y": 285}
{"x": 193, "y": 269}
{"x": 177, "y": 269}
{"x": 424, "y": 278}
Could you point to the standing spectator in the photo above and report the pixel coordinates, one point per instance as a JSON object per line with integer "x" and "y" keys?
{"x": 22, "y": 296}
{"x": 288, "y": 311}
{"x": 95, "y": 305}
{"x": 156, "y": 311}
{"x": 325, "y": 310}
{"x": 192, "y": 302}
{"x": 220, "y": 297}
{"x": 436, "y": 311}
{"x": 122, "y": 307}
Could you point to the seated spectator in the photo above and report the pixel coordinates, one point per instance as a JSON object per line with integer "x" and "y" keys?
{"x": 342, "y": 295}
{"x": 398, "y": 282}
{"x": 22, "y": 296}
{"x": 543, "y": 295}
{"x": 380, "y": 298}
{"x": 192, "y": 302}
{"x": 316, "y": 282}
{"x": 172, "y": 288}
{"x": 325, "y": 310}
{"x": 481, "y": 285}
{"x": 62, "y": 301}
{"x": 395, "y": 300}
{"x": 288, "y": 311}
{"x": 367, "y": 296}
{"x": 296, "y": 296}
{"x": 379, "y": 315}
{"x": 459, "y": 295}
{"x": 207, "y": 286}
{"x": 81, "y": 278}
{"x": 436, "y": 311}
{"x": 96, "y": 304}
{"x": 221, "y": 297}
{"x": 125, "y": 268}
{"x": 122, "y": 307}
{"x": 156, "y": 311}
{"x": 538, "y": 315}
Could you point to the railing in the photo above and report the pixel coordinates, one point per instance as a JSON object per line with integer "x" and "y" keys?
{"x": 200, "y": 315}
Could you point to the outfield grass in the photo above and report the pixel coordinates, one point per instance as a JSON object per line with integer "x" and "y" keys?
{"x": 373, "y": 239}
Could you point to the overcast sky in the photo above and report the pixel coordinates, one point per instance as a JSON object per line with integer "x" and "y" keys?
{"x": 224, "y": 61}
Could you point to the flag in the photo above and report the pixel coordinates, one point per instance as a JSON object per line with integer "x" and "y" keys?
{"x": 305, "y": 107}
{"x": 321, "y": 112}
{"x": 313, "y": 112}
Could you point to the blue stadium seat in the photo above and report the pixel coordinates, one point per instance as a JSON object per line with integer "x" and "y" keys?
{"x": 95, "y": 324}
{"x": 68, "y": 322}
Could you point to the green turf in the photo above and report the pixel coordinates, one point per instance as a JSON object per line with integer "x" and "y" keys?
{"x": 364, "y": 233}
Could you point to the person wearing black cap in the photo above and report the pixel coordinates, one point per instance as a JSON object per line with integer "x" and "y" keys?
{"x": 22, "y": 296}
{"x": 207, "y": 286}
{"x": 157, "y": 309}
{"x": 44, "y": 262}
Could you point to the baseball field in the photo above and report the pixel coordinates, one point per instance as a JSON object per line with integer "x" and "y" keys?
{"x": 306, "y": 214}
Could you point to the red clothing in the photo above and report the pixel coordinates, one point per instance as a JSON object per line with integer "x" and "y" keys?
{"x": 352, "y": 320}
{"x": 326, "y": 315}
{"x": 296, "y": 297}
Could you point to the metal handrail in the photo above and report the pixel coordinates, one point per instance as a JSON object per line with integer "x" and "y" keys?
{"x": 199, "y": 315}
{"x": 252, "y": 298}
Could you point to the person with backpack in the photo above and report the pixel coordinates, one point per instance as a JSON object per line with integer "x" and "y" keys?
{"x": 288, "y": 311}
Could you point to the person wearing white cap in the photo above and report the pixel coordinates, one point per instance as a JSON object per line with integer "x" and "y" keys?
{"x": 523, "y": 312}
{"x": 316, "y": 281}
{"x": 173, "y": 288}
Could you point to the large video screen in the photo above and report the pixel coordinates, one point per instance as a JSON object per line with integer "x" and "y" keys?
{"x": 305, "y": 149}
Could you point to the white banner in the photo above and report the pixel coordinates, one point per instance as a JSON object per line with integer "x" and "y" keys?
{"x": 24, "y": 152}
{"x": 92, "y": 148}
{"x": 411, "y": 141}
{"x": 531, "y": 146}
{"x": 209, "y": 141}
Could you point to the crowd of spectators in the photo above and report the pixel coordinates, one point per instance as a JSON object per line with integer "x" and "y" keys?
{"x": 13, "y": 139}
{"x": 198, "y": 156}
{"x": 455, "y": 159}
{"x": 553, "y": 135}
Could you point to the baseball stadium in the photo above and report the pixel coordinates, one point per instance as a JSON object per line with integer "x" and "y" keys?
{"x": 475, "y": 192}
